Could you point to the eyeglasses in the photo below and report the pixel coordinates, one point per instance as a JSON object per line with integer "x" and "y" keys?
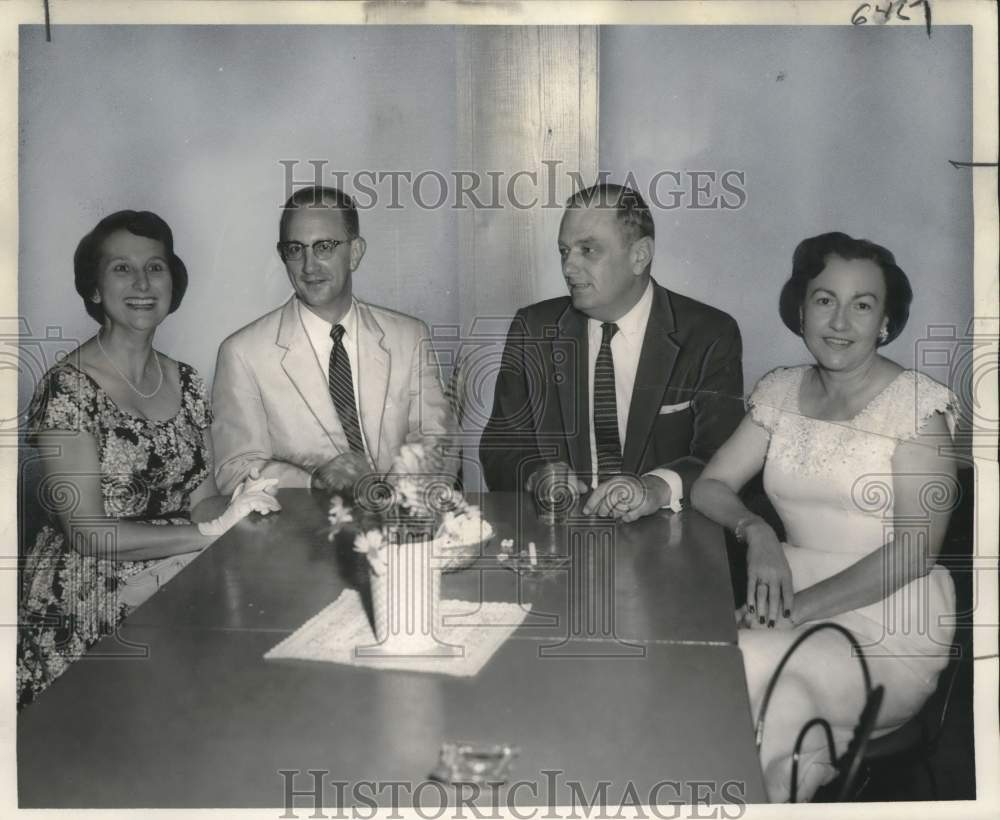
{"x": 322, "y": 249}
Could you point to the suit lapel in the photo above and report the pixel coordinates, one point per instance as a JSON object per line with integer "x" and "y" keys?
{"x": 303, "y": 370}
{"x": 374, "y": 366}
{"x": 570, "y": 371}
{"x": 656, "y": 363}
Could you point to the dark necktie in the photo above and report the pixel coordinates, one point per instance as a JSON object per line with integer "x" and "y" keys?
{"x": 342, "y": 390}
{"x": 609, "y": 449}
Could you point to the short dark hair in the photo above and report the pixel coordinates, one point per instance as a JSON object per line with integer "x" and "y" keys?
{"x": 319, "y": 196}
{"x": 139, "y": 223}
{"x": 811, "y": 257}
{"x": 634, "y": 217}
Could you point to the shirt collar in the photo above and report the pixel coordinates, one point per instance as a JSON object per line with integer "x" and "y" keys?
{"x": 635, "y": 320}
{"x": 317, "y": 326}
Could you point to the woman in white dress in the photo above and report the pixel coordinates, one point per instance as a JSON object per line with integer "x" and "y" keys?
{"x": 852, "y": 452}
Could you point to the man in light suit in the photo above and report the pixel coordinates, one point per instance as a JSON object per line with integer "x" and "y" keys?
{"x": 326, "y": 388}
{"x": 623, "y": 387}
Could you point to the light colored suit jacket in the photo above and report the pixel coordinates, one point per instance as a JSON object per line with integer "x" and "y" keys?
{"x": 273, "y": 408}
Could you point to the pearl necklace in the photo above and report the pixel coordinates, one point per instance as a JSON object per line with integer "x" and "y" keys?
{"x": 135, "y": 389}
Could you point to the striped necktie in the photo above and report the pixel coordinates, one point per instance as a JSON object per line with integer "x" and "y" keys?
{"x": 342, "y": 390}
{"x": 609, "y": 450}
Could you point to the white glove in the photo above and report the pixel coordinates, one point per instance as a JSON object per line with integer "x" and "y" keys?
{"x": 239, "y": 508}
{"x": 254, "y": 484}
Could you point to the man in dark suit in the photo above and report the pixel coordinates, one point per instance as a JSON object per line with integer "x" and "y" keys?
{"x": 623, "y": 387}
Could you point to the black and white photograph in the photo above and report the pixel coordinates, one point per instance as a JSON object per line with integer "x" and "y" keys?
{"x": 500, "y": 409}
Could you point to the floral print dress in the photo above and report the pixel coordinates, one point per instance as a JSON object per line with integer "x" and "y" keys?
{"x": 71, "y": 598}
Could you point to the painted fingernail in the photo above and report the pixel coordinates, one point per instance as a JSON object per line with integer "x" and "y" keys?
{"x": 750, "y": 609}
{"x": 787, "y": 613}
{"x": 762, "y": 620}
{"x": 770, "y": 624}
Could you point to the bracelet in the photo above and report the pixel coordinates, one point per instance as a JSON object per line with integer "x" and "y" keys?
{"x": 740, "y": 530}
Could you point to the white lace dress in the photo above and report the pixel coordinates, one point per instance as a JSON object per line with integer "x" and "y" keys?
{"x": 832, "y": 484}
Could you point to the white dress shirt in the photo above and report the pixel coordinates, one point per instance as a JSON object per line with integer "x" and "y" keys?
{"x": 626, "y": 346}
{"x": 318, "y": 330}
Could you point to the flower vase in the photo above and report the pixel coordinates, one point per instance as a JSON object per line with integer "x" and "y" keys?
{"x": 406, "y": 597}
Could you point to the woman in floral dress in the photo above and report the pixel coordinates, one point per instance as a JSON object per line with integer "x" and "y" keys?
{"x": 853, "y": 452}
{"x": 127, "y": 461}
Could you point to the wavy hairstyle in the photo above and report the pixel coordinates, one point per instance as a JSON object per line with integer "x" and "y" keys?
{"x": 140, "y": 223}
{"x": 809, "y": 260}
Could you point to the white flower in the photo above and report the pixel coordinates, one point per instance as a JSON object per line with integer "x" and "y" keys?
{"x": 447, "y": 525}
{"x": 373, "y": 544}
{"x": 411, "y": 493}
{"x": 410, "y": 459}
{"x": 339, "y": 514}
{"x": 370, "y": 542}
{"x": 464, "y": 528}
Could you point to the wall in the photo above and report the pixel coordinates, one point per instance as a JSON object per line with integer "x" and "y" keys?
{"x": 835, "y": 129}
{"x": 191, "y": 122}
{"x": 527, "y": 113}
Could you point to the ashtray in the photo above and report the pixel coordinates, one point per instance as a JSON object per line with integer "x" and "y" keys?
{"x": 522, "y": 564}
{"x": 464, "y": 762}
{"x": 528, "y": 561}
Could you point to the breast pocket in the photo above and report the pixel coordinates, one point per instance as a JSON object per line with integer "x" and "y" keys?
{"x": 667, "y": 409}
{"x": 673, "y": 431}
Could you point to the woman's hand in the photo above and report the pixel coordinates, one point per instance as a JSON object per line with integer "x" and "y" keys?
{"x": 769, "y": 579}
{"x": 744, "y": 620}
{"x": 255, "y": 484}
{"x": 239, "y": 508}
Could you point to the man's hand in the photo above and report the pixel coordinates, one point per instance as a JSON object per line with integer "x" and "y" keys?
{"x": 627, "y": 498}
{"x": 558, "y": 474}
{"x": 341, "y": 472}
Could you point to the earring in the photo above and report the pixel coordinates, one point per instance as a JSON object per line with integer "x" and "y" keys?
{"x": 883, "y": 335}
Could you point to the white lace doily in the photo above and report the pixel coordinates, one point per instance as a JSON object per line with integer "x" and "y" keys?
{"x": 341, "y": 632}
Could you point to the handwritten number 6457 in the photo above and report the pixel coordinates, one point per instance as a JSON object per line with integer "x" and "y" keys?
{"x": 893, "y": 6}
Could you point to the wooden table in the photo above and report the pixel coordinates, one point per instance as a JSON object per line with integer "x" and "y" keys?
{"x": 648, "y": 698}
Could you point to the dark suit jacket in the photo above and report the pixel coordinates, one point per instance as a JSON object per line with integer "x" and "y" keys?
{"x": 687, "y": 399}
